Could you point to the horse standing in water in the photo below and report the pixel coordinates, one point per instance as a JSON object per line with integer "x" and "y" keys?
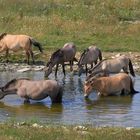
{"x": 65, "y": 54}
{"x": 89, "y": 56}
{"x": 113, "y": 66}
{"x": 35, "y": 90}
{"x": 111, "y": 85}
{"x": 16, "y": 42}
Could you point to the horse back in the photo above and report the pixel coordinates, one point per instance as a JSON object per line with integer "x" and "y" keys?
{"x": 16, "y": 41}
{"x": 69, "y": 51}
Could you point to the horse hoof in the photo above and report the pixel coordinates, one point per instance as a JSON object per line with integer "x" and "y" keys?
{"x": 26, "y": 102}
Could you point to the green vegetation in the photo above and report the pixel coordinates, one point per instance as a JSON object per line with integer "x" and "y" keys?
{"x": 23, "y": 131}
{"x": 112, "y": 25}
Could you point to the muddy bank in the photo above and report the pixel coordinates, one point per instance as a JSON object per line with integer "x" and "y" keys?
{"x": 19, "y": 66}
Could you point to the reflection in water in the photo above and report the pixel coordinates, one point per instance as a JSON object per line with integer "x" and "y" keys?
{"x": 120, "y": 111}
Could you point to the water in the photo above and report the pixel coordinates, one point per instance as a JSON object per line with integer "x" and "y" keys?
{"x": 111, "y": 111}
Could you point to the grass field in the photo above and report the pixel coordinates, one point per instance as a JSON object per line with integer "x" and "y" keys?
{"x": 111, "y": 25}
{"x": 35, "y": 131}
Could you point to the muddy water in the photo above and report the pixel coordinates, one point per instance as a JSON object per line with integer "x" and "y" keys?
{"x": 111, "y": 111}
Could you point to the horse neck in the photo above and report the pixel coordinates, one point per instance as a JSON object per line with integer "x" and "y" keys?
{"x": 96, "y": 84}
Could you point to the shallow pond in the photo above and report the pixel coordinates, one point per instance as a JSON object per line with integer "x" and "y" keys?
{"x": 111, "y": 111}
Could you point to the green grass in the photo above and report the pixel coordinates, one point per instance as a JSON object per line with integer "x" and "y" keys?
{"x": 22, "y": 131}
{"x": 85, "y": 22}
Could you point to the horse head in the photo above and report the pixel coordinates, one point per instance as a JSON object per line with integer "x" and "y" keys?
{"x": 88, "y": 86}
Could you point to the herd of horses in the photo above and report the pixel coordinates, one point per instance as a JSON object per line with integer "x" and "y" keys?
{"x": 98, "y": 71}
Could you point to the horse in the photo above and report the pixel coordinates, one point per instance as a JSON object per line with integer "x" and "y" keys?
{"x": 16, "y": 42}
{"x": 89, "y": 56}
{"x": 118, "y": 84}
{"x": 33, "y": 89}
{"x": 112, "y": 66}
{"x": 65, "y": 54}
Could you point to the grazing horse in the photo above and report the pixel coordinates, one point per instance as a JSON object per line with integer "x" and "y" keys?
{"x": 15, "y": 42}
{"x": 89, "y": 56}
{"x": 111, "y": 85}
{"x": 35, "y": 90}
{"x": 113, "y": 66}
{"x": 65, "y": 54}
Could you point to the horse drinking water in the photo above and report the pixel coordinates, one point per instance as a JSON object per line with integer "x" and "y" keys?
{"x": 111, "y": 85}
{"x": 113, "y": 66}
{"x": 65, "y": 54}
{"x": 16, "y": 42}
{"x": 89, "y": 56}
{"x": 35, "y": 90}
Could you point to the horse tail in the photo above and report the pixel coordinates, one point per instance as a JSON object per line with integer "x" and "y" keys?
{"x": 100, "y": 55}
{"x": 133, "y": 91}
{"x": 37, "y": 44}
{"x": 131, "y": 68}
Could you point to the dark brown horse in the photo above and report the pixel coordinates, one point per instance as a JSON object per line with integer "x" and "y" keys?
{"x": 89, "y": 56}
{"x": 31, "y": 89}
{"x": 14, "y": 43}
{"x": 65, "y": 54}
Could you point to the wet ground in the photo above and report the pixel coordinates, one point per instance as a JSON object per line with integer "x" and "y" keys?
{"x": 112, "y": 111}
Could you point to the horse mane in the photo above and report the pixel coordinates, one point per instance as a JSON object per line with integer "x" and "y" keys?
{"x": 10, "y": 82}
{"x": 2, "y": 35}
{"x": 55, "y": 53}
{"x": 82, "y": 55}
{"x": 98, "y": 64}
{"x": 14, "y": 80}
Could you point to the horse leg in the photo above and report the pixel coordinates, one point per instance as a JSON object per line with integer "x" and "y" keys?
{"x": 32, "y": 55}
{"x": 71, "y": 64}
{"x": 56, "y": 70}
{"x": 91, "y": 66}
{"x": 63, "y": 66}
{"x": 28, "y": 57}
{"x": 26, "y": 101}
{"x": 6, "y": 55}
{"x": 86, "y": 69}
{"x": 95, "y": 62}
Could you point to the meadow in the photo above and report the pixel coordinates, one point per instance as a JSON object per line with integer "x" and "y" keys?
{"x": 111, "y": 25}
{"x": 22, "y": 131}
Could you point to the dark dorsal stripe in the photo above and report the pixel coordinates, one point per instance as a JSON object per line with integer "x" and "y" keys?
{"x": 2, "y": 35}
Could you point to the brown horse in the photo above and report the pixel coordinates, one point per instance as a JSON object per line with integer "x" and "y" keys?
{"x": 16, "y": 42}
{"x": 113, "y": 66}
{"x": 113, "y": 85}
{"x": 35, "y": 90}
{"x": 65, "y": 54}
{"x": 89, "y": 56}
